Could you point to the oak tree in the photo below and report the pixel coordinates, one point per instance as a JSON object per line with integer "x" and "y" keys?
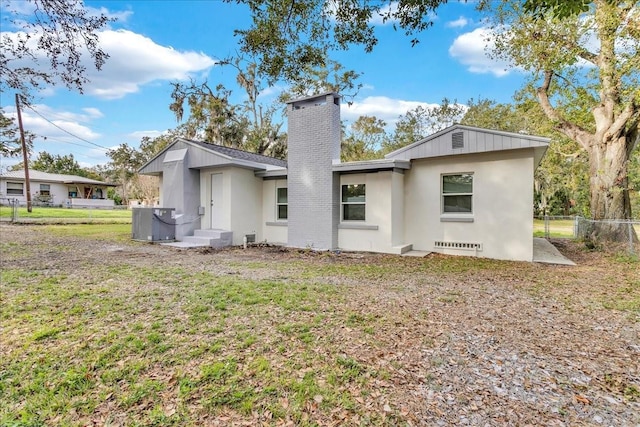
{"x": 585, "y": 63}
{"x": 364, "y": 140}
{"x": 288, "y": 37}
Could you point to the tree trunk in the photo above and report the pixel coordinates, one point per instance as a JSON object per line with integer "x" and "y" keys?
{"x": 609, "y": 189}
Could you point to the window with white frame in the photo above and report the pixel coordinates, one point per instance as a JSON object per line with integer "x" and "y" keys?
{"x": 353, "y": 202}
{"x": 45, "y": 189}
{"x": 457, "y": 193}
{"x": 15, "y": 188}
{"x": 282, "y": 203}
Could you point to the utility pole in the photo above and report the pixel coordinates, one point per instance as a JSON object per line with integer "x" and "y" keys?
{"x": 25, "y": 154}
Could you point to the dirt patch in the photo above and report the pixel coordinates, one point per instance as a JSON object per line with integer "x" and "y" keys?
{"x": 428, "y": 341}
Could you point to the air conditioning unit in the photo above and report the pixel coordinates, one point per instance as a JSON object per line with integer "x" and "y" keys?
{"x": 153, "y": 224}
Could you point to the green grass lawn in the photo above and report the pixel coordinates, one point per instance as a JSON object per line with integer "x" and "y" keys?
{"x": 107, "y": 331}
{"x": 48, "y": 214}
{"x": 557, "y": 228}
{"x": 109, "y": 232}
{"x": 560, "y": 228}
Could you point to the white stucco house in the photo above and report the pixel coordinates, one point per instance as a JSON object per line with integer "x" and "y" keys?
{"x": 462, "y": 191}
{"x": 55, "y": 189}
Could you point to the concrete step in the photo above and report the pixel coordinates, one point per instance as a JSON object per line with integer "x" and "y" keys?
{"x": 212, "y": 233}
{"x": 225, "y": 237}
{"x": 208, "y": 238}
{"x": 204, "y": 241}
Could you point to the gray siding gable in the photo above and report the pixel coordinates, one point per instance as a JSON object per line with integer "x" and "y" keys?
{"x": 460, "y": 139}
{"x": 211, "y": 155}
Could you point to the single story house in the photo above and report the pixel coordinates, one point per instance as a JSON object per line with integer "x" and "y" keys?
{"x": 463, "y": 190}
{"x": 55, "y": 189}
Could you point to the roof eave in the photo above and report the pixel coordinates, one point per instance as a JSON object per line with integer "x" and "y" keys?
{"x": 273, "y": 173}
{"x": 371, "y": 165}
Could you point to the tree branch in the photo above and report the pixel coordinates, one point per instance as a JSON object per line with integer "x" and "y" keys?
{"x": 586, "y": 54}
{"x": 621, "y": 121}
{"x": 572, "y": 130}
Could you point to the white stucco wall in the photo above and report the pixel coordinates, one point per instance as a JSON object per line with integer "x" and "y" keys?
{"x": 397, "y": 209}
{"x": 241, "y": 198}
{"x": 502, "y": 204}
{"x": 59, "y": 192}
{"x": 273, "y": 230}
{"x": 379, "y": 212}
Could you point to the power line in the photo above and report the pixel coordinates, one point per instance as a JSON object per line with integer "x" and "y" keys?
{"x": 61, "y": 117}
{"x": 48, "y": 138}
{"x": 64, "y": 130}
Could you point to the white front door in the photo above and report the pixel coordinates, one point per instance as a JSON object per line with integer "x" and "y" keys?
{"x": 216, "y": 200}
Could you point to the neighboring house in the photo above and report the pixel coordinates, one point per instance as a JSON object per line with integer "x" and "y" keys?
{"x": 463, "y": 190}
{"x": 55, "y": 189}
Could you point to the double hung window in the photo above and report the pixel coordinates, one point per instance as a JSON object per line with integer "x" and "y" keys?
{"x": 282, "y": 203}
{"x": 353, "y": 202}
{"x": 457, "y": 193}
{"x": 45, "y": 189}
{"x": 15, "y": 188}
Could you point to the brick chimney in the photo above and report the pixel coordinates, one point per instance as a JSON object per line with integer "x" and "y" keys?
{"x": 313, "y": 189}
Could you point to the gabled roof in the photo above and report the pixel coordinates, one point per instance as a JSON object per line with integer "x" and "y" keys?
{"x": 235, "y": 153}
{"x": 211, "y": 155}
{"x": 461, "y": 139}
{"x": 35, "y": 175}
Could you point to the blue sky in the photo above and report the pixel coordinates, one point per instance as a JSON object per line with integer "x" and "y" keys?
{"x": 154, "y": 43}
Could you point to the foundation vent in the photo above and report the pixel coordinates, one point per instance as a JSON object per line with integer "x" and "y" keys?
{"x": 465, "y": 246}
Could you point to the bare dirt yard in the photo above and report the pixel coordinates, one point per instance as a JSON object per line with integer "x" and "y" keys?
{"x": 98, "y": 330}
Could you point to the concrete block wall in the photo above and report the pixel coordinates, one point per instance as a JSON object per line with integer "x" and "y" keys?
{"x": 313, "y": 189}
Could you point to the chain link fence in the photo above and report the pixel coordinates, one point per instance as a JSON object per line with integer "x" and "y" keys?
{"x": 12, "y": 211}
{"x": 624, "y": 232}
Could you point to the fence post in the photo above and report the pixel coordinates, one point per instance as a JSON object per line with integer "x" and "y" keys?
{"x": 546, "y": 227}
{"x": 14, "y": 210}
{"x": 629, "y": 231}
{"x": 576, "y": 225}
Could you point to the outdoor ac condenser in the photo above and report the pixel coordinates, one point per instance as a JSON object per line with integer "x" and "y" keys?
{"x": 153, "y": 224}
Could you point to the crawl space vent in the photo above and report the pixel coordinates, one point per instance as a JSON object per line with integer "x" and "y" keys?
{"x": 457, "y": 140}
{"x": 467, "y": 246}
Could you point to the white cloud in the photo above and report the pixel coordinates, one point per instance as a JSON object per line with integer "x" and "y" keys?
{"x": 20, "y": 13}
{"x": 471, "y": 49}
{"x": 50, "y": 124}
{"x": 377, "y": 19}
{"x": 458, "y": 23}
{"x": 93, "y": 113}
{"x": 120, "y": 16}
{"x": 134, "y": 61}
{"x": 382, "y": 107}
